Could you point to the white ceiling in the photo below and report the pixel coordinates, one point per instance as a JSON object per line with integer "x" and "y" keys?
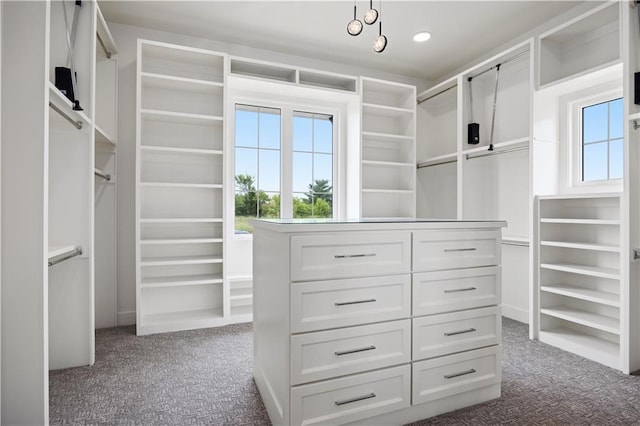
{"x": 462, "y": 30}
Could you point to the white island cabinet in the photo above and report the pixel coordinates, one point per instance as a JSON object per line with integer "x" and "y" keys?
{"x": 375, "y": 322}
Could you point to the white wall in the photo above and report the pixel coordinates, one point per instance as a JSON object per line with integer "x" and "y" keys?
{"x": 126, "y": 39}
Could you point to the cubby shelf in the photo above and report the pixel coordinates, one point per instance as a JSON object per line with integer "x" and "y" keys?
{"x": 591, "y": 347}
{"x": 602, "y": 297}
{"x": 568, "y": 221}
{"x": 387, "y": 136}
{"x": 582, "y": 246}
{"x": 589, "y": 319}
{"x": 181, "y": 280}
{"x": 180, "y": 260}
{"x": 180, "y": 241}
{"x": 180, "y": 117}
{"x": 181, "y": 83}
{"x": 181, "y": 319}
{"x": 176, "y": 150}
{"x": 593, "y": 271}
{"x": 103, "y": 137}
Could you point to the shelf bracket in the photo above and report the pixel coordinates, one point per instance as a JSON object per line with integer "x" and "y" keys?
{"x": 636, "y": 253}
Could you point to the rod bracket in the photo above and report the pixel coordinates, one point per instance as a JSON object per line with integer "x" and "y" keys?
{"x": 636, "y": 253}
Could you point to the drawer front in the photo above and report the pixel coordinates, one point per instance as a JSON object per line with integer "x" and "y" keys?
{"x": 446, "y": 376}
{"x": 351, "y": 398}
{"x": 332, "y": 353}
{"x": 320, "y": 305}
{"x": 437, "y": 250}
{"x": 447, "y": 291}
{"x": 443, "y": 334}
{"x": 328, "y": 256}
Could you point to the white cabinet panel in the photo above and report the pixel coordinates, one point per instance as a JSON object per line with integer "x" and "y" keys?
{"x": 327, "y": 354}
{"x": 443, "y": 334}
{"x": 339, "y": 303}
{"x": 315, "y": 257}
{"x": 446, "y": 376}
{"x": 446, "y": 291}
{"x": 352, "y": 398}
{"x": 447, "y": 249}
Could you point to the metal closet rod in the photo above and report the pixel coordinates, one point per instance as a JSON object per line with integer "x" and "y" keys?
{"x": 437, "y": 163}
{"x": 102, "y": 174}
{"x": 474, "y": 76}
{"x": 489, "y": 153}
{"x": 104, "y": 47}
{"x": 76, "y": 252}
{"x": 76, "y": 123}
{"x": 513, "y": 58}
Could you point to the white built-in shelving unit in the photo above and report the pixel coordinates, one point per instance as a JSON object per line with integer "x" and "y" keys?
{"x": 456, "y": 180}
{"x": 179, "y": 200}
{"x": 579, "y": 278}
{"x": 388, "y": 178}
{"x": 55, "y": 230}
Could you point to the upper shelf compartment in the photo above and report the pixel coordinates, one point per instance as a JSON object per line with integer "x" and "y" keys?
{"x": 184, "y": 62}
{"x": 289, "y": 74}
{"x": 388, "y": 95}
{"x": 586, "y": 43}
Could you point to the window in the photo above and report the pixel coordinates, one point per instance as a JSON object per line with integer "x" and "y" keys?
{"x": 257, "y": 155}
{"x": 602, "y": 141}
{"x": 312, "y": 165}
{"x": 282, "y": 173}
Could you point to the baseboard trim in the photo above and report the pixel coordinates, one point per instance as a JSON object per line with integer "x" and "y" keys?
{"x": 514, "y": 313}
{"x": 127, "y": 318}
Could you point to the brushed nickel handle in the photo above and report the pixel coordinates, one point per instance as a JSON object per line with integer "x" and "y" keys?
{"x": 356, "y": 399}
{"x": 462, "y": 373}
{"x": 355, "y": 302}
{"x": 349, "y": 256}
{"x": 454, "y": 333}
{"x": 461, "y": 249}
{"x": 353, "y": 351}
{"x": 456, "y": 290}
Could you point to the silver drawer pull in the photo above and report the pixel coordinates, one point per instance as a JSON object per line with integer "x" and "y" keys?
{"x": 462, "y": 373}
{"x": 355, "y": 302}
{"x": 460, "y": 249}
{"x": 455, "y": 290}
{"x": 349, "y": 256}
{"x": 356, "y": 399}
{"x": 353, "y": 351}
{"x": 453, "y": 333}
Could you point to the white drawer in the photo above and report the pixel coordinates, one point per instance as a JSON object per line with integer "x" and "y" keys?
{"x": 455, "y": 290}
{"x": 332, "y": 353}
{"x": 446, "y": 376}
{"x": 339, "y": 303}
{"x": 443, "y": 334}
{"x": 328, "y": 256}
{"x": 351, "y": 398}
{"x": 437, "y": 250}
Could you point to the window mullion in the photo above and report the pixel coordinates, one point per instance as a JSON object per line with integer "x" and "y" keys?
{"x": 286, "y": 155}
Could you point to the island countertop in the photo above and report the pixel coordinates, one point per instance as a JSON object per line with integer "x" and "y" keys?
{"x": 332, "y": 224}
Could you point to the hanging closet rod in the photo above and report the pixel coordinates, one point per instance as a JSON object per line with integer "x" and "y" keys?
{"x": 76, "y": 252}
{"x": 515, "y": 243}
{"x": 106, "y": 51}
{"x": 437, "y": 163}
{"x": 102, "y": 174}
{"x": 504, "y": 151}
{"x": 436, "y": 94}
{"x": 76, "y": 123}
{"x": 513, "y": 58}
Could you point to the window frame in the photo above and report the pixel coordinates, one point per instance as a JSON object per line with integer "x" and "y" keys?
{"x": 572, "y": 134}
{"x": 287, "y": 109}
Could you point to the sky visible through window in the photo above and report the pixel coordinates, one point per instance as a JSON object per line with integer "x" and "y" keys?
{"x": 602, "y": 141}
{"x": 258, "y": 142}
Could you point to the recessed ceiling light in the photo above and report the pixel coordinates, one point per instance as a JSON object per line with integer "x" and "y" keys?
{"x": 422, "y": 36}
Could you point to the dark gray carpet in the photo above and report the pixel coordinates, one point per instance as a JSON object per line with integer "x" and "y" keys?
{"x": 204, "y": 377}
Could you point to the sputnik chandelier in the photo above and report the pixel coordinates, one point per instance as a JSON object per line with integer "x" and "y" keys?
{"x": 354, "y": 27}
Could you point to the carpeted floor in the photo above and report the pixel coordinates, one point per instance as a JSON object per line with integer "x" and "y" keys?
{"x": 204, "y": 377}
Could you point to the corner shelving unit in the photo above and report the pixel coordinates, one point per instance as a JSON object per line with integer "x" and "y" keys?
{"x": 579, "y": 288}
{"x": 180, "y": 214}
{"x": 388, "y": 179}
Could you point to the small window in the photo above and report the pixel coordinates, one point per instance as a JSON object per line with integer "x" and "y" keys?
{"x": 602, "y": 141}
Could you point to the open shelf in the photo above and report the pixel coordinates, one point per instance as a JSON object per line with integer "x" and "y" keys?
{"x": 151, "y": 320}
{"x": 582, "y": 246}
{"x": 182, "y": 220}
{"x": 591, "y": 347}
{"x": 179, "y": 117}
{"x": 64, "y": 105}
{"x": 181, "y": 185}
{"x": 589, "y": 319}
{"x": 181, "y": 280}
{"x": 175, "y": 150}
{"x": 182, "y": 260}
{"x": 592, "y": 271}
{"x": 604, "y": 298}
{"x": 180, "y": 240}
{"x": 103, "y": 137}
{"x": 581, "y": 221}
